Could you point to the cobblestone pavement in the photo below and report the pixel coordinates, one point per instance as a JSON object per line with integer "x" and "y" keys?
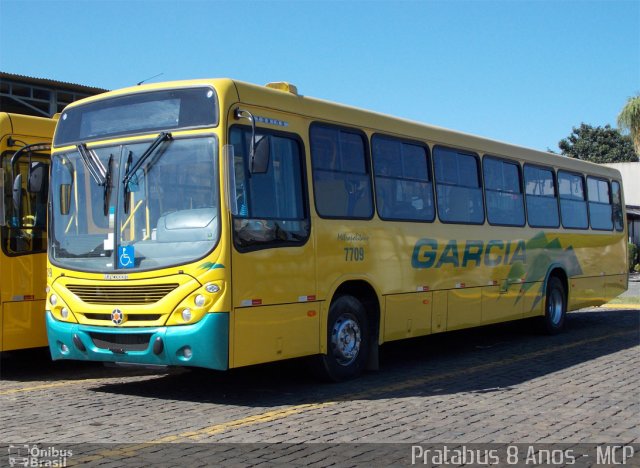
{"x": 503, "y": 383}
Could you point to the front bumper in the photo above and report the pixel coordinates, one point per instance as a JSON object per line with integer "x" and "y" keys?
{"x": 203, "y": 344}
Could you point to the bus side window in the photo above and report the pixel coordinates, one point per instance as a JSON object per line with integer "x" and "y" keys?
{"x": 616, "y": 197}
{"x": 600, "y": 210}
{"x": 540, "y": 191}
{"x": 503, "y": 191}
{"x": 402, "y": 180}
{"x": 341, "y": 178}
{"x": 458, "y": 186}
{"x": 272, "y": 204}
{"x": 573, "y": 207}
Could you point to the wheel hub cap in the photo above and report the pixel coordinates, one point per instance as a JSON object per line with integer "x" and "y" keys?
{"x": 555, "y": 306}
{"x": 345, "y": 340}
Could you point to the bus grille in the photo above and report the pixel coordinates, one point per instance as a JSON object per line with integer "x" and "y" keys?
{"x": 121, "y": 343}
{"x": 147, "y": 294}
{"x": 130, "y": 317}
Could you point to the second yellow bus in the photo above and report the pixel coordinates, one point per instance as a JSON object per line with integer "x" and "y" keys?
{"x": 24, "y": 173}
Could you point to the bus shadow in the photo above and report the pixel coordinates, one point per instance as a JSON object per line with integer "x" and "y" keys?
{"x": 488, "y": 359}
{"x": 36, "y": 365}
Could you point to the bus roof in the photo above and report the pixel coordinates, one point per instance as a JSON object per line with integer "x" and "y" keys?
{"x": 287, "y": 100}
{"x": 28, "y": 125}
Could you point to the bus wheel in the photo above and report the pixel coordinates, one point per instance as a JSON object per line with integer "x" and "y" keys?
{"x": 347, "y": 340}
{"x": 555, "y": 308}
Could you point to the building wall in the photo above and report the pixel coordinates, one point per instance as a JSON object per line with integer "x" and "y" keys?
{"x": 630, "y": 172}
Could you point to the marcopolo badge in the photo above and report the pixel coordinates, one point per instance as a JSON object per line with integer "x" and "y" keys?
{"x": 117, "y": 317}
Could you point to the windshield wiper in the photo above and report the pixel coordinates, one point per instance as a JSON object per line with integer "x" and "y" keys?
{"x": 130, "y": 171}
{"x": 100, "y": 174}
{"x": 93, "y": 164}
{"x": 107, "y": 186}
{"x": 126, "y": 186}
{"x": 163, "y": 136}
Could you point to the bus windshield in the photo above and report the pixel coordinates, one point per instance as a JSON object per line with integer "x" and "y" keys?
{"x": 23, "y": 210}
{"x": 166, "y": 214}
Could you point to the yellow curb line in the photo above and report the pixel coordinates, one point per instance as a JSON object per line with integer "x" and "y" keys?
{"x": 63, "y": 383}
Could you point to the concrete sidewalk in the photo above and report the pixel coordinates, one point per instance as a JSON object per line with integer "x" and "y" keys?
{"x": 630, "y": 299}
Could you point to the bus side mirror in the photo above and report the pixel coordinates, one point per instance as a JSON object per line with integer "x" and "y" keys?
{"x": 65, "y": 199}
{"x": 261, "y": 156}
{"x": 37, "y": 178}
{"x": 17, "y": 201}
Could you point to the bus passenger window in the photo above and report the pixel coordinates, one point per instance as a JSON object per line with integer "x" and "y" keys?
{"x": 573, "y": 207}
{"x": 458, "y": 186}
{"x": 341, "y": 180}
{"x": 503, "y": 190}
{"x": 403, "y": 183}
{"x": 540, "y": 191}
{"x": 618, "y": 220}
{"x": 600, "y": 210}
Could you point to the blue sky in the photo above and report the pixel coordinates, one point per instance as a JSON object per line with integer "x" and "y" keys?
{"x": 525, "y": 72}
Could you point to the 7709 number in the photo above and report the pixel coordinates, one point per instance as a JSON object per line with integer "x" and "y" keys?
{"x": 353, "y": 254}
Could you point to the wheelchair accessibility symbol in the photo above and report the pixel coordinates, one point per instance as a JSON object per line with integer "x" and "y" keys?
{"x": 126, "y": 256}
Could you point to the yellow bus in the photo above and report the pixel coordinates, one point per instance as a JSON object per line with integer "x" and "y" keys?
{"x": 220, "y": 224}
{"x": 24, "y": 149}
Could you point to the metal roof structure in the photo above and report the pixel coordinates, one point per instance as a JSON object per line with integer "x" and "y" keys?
{"x": 39, "y": 96}
{"x": 633, "y": 212}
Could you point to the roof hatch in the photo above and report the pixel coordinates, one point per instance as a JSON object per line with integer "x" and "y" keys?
{"x": 283, "y": 86}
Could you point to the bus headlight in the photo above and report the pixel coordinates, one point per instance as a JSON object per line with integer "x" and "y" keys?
{"x": 186, "y": 314}
{"x": 199, "y": 300}
{"x": 212, "y": 288}
{"x": 60, "y": 310}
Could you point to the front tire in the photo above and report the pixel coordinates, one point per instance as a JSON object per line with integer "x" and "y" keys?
{"x": 347, "y": 340}
{"x": 555, "y": 307}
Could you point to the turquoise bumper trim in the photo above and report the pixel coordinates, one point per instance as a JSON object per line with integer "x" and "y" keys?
{"x": 208, "y": 340}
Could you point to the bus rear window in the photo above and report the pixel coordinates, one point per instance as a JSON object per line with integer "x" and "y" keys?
{"x": 138, "y": 113}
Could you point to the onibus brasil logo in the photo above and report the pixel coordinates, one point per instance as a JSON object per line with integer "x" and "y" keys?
{"x": 37, "y": 455}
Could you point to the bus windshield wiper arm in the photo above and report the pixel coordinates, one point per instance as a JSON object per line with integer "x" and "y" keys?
{"x": 93, "y": 164}
{"x": 107, "y": 186}
{"x": 163, "y": 136}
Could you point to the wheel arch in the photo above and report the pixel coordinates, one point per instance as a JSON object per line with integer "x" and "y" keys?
{"x": 558, "y": 271}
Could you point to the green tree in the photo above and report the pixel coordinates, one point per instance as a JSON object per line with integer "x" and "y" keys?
{"x": 629, "y": 119}
{"x": 598, "y": 145}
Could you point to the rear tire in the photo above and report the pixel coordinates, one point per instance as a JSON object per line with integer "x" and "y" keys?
{"x": 555, "y": 307}
{"x": 347, "y": 340}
